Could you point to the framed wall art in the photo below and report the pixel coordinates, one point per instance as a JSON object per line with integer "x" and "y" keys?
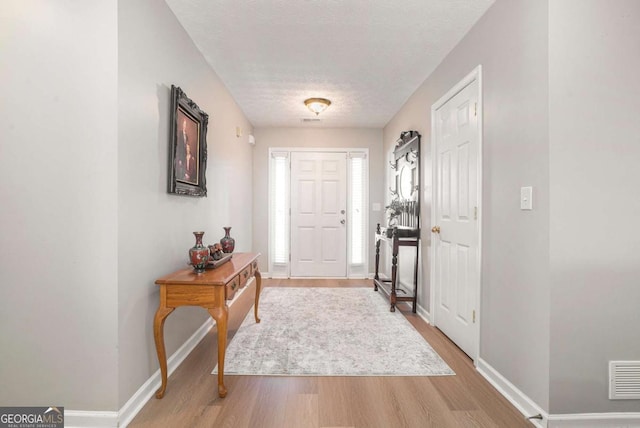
{"x": 187, "y": 146}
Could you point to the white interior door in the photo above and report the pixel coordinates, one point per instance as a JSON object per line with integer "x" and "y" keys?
{"x": 455, "y": 232}
{"x": 318, "y": 214}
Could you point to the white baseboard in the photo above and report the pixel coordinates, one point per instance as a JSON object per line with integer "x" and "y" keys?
{"x": 528, "y": 407}
{"x": 420, "y": 311}
{"x": 84, "y": 419}
{"x": 593, "y": 420}
{"x": 424, "y": 314}
{"x": 520, "y": 400}
{"x": 149, "y": 388}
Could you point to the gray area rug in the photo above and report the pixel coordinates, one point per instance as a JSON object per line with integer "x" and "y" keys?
{"x": 329, "y": 332}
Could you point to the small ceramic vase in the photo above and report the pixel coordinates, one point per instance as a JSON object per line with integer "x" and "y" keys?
{"x": 227, "y": 242}
{"x": 199, "y": 254}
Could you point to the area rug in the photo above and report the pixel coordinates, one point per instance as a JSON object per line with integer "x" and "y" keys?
{"x": 329, "y": 332}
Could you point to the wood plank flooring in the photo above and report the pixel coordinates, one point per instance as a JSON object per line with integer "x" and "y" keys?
{"x": 464, "y": 400}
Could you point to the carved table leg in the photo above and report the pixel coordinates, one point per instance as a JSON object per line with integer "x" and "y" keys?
{"x": 221, "y": 315}
{"x": 258, "y": 288}
{"x": 158, "y": 335}
{"x": 376, "y": 277}
{"x": 394, "y": 271}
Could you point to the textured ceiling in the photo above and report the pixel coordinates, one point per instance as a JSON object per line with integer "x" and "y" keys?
{"x": 366, "y": 56}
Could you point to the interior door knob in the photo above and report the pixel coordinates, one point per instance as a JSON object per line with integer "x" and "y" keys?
{"x": 435, "y": 229}
{"x": 342, "y": 221}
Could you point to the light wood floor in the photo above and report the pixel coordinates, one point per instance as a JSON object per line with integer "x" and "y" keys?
{"x": 464, "y": 400}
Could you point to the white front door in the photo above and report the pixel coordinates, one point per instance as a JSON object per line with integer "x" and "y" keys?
{"x": 318, "y": 214}
{"x": 455, "y": 232}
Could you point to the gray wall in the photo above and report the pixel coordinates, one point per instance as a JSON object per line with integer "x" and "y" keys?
{"x": 58, "y": 215}
{"x": 312, "y": 137}
{"x": 510, "y": 42}
{"x": 86, "y": 223}
{"x": 155, "y": 228}
{"x": 595, "y": 245}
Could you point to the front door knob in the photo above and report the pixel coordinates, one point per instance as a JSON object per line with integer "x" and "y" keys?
{"x": 435, "y": 229}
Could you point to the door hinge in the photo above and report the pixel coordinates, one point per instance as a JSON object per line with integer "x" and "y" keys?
{"x": 475, "y": 213}
{"x": 289, "y": 257}
{"x": 475, "y": 109}
{"x": 474, "y": 316}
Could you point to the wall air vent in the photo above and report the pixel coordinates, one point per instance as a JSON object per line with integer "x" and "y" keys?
{"x": 310, "y": 120}
{"x": 624, "y": 380}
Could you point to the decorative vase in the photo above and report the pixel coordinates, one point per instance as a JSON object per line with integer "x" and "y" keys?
{"x": 199, "y": 254}
{"x": 227, "y": 242}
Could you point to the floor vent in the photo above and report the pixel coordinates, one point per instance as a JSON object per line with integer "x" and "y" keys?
{"x": 624, "y": 380}
{"x": 309, "y": 120}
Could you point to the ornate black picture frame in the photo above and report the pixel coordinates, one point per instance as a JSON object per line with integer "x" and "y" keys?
{"x": 187, "y": 146}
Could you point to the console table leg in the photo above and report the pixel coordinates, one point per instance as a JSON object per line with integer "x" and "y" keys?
{"x": 394, "y": 272}
{"x": 158, "y": 335}
{"x": 376, "y": 277}
{"x": 258, "y": 289}
{"x": 221, "y": 316}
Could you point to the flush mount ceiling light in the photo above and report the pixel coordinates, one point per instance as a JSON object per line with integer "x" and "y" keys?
{"x": 317, "y": 105}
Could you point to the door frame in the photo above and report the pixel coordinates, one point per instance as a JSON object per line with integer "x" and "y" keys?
{"x": 320, "y": 234}
{"x": 350, "y": 271}
{"x": 474, "y": 75}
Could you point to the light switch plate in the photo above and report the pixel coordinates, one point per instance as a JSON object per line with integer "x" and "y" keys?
{"x": 526, "y": 198}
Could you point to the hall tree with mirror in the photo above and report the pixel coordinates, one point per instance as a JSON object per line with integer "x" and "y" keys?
{"x": 403, "y": 226}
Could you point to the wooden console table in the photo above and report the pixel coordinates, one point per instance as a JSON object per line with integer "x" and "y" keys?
{"x": 210, "y": 290}
{"x": 397, "y": 237}
{"x": 404, "y": 209}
